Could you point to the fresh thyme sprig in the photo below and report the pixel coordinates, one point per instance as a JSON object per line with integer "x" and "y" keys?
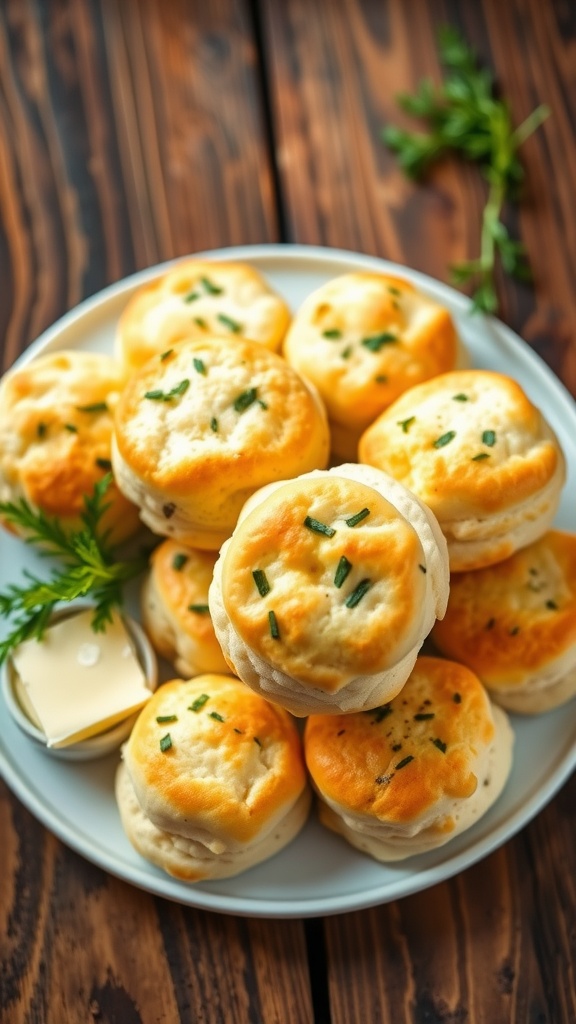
{"x": 88, "y": 568}
{"x": 464, "y": 116}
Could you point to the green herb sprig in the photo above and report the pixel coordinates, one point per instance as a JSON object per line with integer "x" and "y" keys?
{"x": 88, "y": 569}
{"x": 465, "y": 116}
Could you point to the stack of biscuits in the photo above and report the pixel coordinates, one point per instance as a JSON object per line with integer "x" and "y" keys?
{"x": 331, "y": 491}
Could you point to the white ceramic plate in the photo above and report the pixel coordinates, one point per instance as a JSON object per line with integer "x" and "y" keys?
{"x": 318, "y": 873}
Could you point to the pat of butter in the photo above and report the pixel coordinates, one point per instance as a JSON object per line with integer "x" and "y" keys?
{"x": 77, "y": 683}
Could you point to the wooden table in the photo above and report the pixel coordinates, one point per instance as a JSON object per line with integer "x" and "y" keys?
{"x": 132, "y": 132}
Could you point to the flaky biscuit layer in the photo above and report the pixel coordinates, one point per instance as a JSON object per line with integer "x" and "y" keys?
{"x": 514, "y": 624}
{"x": 412, "y": 774}
{"x": 480, "y": 454}
{"x": 339, "y": 642}
{"x": 175, "y": 609}
{"x": 202, "y": 428}
{"x": 55, "y": 436}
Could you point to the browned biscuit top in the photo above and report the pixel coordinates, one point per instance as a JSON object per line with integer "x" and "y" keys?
{"x": 397, "y": 762}
{"x": 469, "y": 443}
{"x": 209, "y": 754}
{"x": 325, "y": 579}
{"x": 363, "y": 338}
{"x": 517, "y": 617}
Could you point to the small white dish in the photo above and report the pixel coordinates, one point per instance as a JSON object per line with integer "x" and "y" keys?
{"x": 103, "y": 743}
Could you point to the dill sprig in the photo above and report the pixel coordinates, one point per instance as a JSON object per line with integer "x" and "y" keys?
{"x": 87, "y": 568}
{"x": 466, "y": 117}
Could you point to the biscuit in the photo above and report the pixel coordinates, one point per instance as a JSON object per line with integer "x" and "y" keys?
{"x": 410, "y": 775}
{"x": 363, "y": 339}
{"x": 55, "y": 437}
{"x": 514, "y": 625}
{"x": 175, "y": 611}
{"x": 476, "y": 450}
{"x": 327, "y": 589}
{"x": 197, "y": 297}
{"x": 199, "y": 430}
{"x": 212, "y": 780}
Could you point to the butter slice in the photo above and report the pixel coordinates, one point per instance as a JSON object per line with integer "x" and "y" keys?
{"x": 76, "y": 683}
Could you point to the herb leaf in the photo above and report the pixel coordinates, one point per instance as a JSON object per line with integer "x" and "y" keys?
{"x": 464, "y": 116}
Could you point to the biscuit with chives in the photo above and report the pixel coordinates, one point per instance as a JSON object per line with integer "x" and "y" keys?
{"x": 514, "y": 624}
{"x": 481, "y": 455}
{"x": 412, "y": 774}
{"x": 197, "y": 297}
{"x": 212, "y": 779}
{"x": 327, "y": 589}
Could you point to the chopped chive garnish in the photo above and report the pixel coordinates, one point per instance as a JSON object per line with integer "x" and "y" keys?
{"x": 332, "y": 333}
{"x": 165, "y": 743}
{"x": 261, "y": 582}
{"x": 376, "y": 341}
{"x": 158, "y": 395}
{"x": 460, "y": 397}
{"x": 214, "y": 424}
{"x": 438, "y": 743}
{"x": 394, "y": 291}
{"x": 552, "y": 606}
{"x": 422, "y": 568}
{"x": 515, "y": 630}
{"x": 41, "y": 429}
{"x": 212, "y": 289}
{"x": 179, "y": 561}
{"x": 71, "y": 428}
{"x": 380, "y": 378}
{"x": 200, "y": 609}
{"x": 166, "y": 354}
{"x": 317, "y": 527}
{"x": 200, "y": 322}
{"x": 403, "y": 762}
{"x": 356, "y": 596}
{"x": 199, "y": 702}
{"x": 445, "y": 439}
{"x": 199, "y": 366}
{"x": 245, "y": 399}
{"x": 346, "y": 352}
{"x": 216, "y": 716}
{"x": 191, "y": 297}
{"x": 381, "y": 712}
{"x": 95, "y": 407}
{"x": 357, "y": 518}
{"x": 262, "y": 404}
{"x": 166, "y": 718}
{"x": 239, "y": 731}
{"x": 480, "y": 457}
{"x": 273, "y": 623}
{"x": 405, "y": 424}
{"x": 257, "y": 741}
{"x": 104, "y": 464}
{"x": 423, "y": 716}
{"x": 456, "y": 697}
{"x": 489, "y": 438}
{"x": 228, "y": 322}
{"x": 342, "y": 570}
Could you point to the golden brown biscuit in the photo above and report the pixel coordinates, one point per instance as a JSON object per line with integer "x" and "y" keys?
{"x": 197, "y": 297}
{"x": 55, "y": 437}
{"x": 410, "y": 775}
{"x": 474, "y": 448}
{"x": 213, "y": 779}
{"x": 175, "y": 609}
{"x": 363, "y": 339}
{"x": 327, "y": 589}
{"x": 514, "y": 624}
{"x": 201, "y": 429}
